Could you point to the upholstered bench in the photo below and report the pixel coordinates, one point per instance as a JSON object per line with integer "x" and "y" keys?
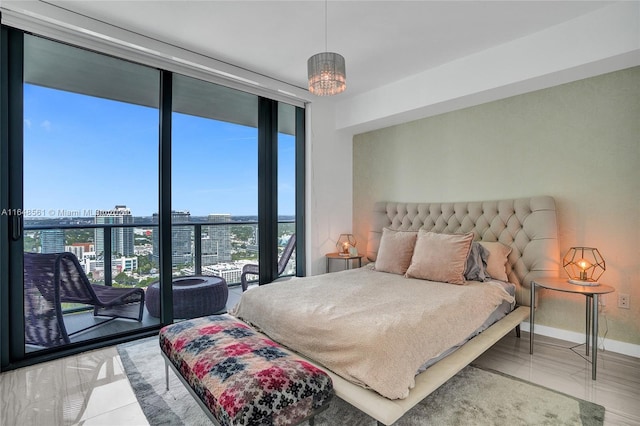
{"x": 240, "y": 377}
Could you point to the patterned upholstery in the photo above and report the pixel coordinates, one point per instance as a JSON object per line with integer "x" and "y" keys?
{"x": 527, "y": 225}
{"x": 244, "y": 378}
{"x": 253, "y": 269}
{"x": 51, "y": 279}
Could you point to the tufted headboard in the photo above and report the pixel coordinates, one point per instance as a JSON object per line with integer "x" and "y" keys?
{"x": 527, "y": 225}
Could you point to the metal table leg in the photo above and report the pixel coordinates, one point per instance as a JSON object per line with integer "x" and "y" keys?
{"x": 594, "y": 338}
{"x": 531, "y": 315}
{"x": 588, "y": 305}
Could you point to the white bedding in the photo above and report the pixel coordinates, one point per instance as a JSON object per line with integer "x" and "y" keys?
{"x": 373, "y": 328}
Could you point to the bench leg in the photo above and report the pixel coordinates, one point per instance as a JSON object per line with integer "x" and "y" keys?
{"x": 166, "y": 373}
{"x": 518, "y": 331}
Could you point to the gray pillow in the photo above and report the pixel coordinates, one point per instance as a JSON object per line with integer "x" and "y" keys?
{"x": 476, "y": 269}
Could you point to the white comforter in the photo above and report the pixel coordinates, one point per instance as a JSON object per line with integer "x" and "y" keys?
{"x": 373, "y": 328}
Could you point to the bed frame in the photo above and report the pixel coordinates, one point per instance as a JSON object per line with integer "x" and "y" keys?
{"x": 527, "y": 225}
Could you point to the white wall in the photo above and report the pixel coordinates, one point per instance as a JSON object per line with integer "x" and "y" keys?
{"x": 329, "y": 184}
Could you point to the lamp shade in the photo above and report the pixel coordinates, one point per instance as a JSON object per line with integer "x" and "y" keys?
{"x": 584, "y": 265}
{"x": 327, "y": 74}
{"x": 345, "y": 243}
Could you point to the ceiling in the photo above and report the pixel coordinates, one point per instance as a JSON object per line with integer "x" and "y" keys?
{"x": 382, "y": 41}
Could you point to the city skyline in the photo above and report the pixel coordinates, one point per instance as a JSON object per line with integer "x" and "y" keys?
{"x": 83, "y": 154}
{"x": 218, "y": 251}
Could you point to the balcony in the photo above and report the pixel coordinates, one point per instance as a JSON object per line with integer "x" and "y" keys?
{"x": 126, "y": 255}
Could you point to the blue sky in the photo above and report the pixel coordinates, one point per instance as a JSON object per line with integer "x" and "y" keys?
{"x": 86, "y": 153}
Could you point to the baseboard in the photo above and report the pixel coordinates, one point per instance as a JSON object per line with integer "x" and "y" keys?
{"x": 610, "y": 345}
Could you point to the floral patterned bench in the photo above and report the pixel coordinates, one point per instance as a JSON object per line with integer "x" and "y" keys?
{"x": 240, "y": 377}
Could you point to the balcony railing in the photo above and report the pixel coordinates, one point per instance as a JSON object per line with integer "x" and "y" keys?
{"x": 187, "y": 259}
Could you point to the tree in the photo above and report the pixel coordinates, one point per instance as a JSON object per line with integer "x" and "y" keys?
{"x": 123, "y": 278}
{"x": 145, "y": 264}
{"x": 78, "y": 236}
{"x": 145, "y": 282}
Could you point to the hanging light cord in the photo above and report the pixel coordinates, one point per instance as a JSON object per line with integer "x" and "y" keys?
{"x": 325, "y": 27}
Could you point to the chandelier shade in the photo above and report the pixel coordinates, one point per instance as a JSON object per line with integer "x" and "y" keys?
{"x": 327, "y": 74}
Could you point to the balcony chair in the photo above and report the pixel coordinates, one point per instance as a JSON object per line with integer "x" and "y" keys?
{"x": 51, "y": 279}
{"x": 253, "y": 269}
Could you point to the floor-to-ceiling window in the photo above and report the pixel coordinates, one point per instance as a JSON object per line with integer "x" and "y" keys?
{"x": 94, "y": 147}
{"x": 89, "y": 173}
{"x": 214, "y": 175}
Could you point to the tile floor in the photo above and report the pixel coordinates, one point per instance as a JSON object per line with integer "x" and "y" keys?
{"x": 86, "y": 389}
{"x": 92, "y": 388}
{"x": 554, "y": 364}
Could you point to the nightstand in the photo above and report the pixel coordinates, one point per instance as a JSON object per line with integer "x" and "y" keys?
{"x": 591, "y": 294}
{"x": 347, "y": 259}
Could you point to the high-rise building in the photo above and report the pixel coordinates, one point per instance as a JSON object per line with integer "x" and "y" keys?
{"x": 216, "y": 244}
{"x": 230, "y": 272}
{"x": 122, "y": 241}
{"x": 78, "y": 251}
{"x": 52, "y": 241}
{"x": 180, "y": 239}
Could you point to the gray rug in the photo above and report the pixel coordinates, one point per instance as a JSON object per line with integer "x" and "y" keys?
{"x": 473, "y": 397}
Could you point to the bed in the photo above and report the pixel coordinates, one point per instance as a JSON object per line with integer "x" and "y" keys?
{"x": 415, "y": 317}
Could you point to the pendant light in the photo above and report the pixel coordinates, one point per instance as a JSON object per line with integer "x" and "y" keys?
{"x": 326, "y": 70}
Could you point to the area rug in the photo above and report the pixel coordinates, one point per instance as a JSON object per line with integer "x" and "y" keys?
{"x": 473, "y": 397}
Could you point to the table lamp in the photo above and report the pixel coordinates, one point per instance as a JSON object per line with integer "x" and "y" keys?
{"x": 346, "y": 245}
{"x": 584, "y": 265}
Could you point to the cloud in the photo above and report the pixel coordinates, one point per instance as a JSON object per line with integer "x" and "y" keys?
{"x": 27, "y": 123}
{"x": 46, "y": 124}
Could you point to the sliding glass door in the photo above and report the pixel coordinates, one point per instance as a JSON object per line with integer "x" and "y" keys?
{"x": 90, "y": 186}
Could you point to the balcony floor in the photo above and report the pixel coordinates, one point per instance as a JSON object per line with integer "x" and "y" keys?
{"x": 81, "y": 320}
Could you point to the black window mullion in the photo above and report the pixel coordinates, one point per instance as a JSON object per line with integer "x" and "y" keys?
{"x": 14, "y": 50}
{"x": 268, "y": 189}
{"x": 300, "y": 192}
{"x": 164, "y": 199}
{"x": 4, "y": 199}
